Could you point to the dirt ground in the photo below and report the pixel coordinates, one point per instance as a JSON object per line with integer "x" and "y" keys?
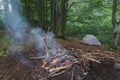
{"x": 12, "y": 69}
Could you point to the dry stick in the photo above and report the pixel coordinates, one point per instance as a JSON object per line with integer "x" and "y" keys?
{"x": 44, "y": 64}
{"x": 114, "y": 59}
{"x": 92, "y": 59}
{"x": 83, "y": 57}
{"x": 46, "y": 48}
{"x": 46, "y": 44}
{"x": 37, "y": 57}
{"x": 72, "y": 75}
{"x": 52, "y": 75}
{"x": 59, "y": 68}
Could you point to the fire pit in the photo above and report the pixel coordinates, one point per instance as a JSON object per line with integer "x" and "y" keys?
{"x": 57, "y": 62}
{"x": 52, "y": 63}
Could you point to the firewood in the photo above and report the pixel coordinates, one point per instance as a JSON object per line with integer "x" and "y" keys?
{"x": 59, "y": 68}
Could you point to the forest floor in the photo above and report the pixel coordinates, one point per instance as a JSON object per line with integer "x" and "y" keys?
{"x": 12, "y": 69}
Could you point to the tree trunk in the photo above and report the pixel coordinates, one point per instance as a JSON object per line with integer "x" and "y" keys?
{"x": 6, "y": 7}
{"x": 53, "y": 16}
{"x": 40, "y": 12}
{"x": 63, "y": 17}
{"x": 41, "y": 6}
{"x": 46, "y": 24}
{"x": 29, "y": 12}
{"x": 114, "y": 23}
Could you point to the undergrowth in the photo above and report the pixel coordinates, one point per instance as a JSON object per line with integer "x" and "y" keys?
{"x": 103, "y": 33}
{"x": 4, "y": 43}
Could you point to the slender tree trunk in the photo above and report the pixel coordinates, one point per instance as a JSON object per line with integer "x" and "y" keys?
{"x": 45, "y": 17}
{"x": 6, "y": 11}
{"x": 53, "y": 16}
{"x": 6, "y": 7}
{"x": 114, "y": 23}
{"x": 40, "y": 12}
{"x": 29, "y": 12}
{"x": 114, "y": 10}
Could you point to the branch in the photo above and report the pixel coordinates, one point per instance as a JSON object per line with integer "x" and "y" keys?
{"x": 75, "y": 3}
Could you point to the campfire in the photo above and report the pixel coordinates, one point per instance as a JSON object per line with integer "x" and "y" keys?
{"x": 53, "y": 58}
{"x": 55, "y": 61}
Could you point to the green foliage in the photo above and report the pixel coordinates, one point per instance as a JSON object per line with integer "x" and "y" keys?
{"x": 91, "y": 17}
{"x": 4, "y": 42}
{"x": 83, "y": 17}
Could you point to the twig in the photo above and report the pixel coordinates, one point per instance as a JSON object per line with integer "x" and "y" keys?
{"x": 46, "y": 45}
{"x": 52, "y": 75}
{"x": 59, "y": 68}
{"x": 44, "y": 64}
{"x": 41, "y": 57}
{"x": 114, "y": 59}
{"x": 91, "y": 59}
{"x": 38, "y": 57}
{"x": 72, "y": 75}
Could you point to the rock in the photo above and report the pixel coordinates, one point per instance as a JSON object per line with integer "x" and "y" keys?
{"x": 91, "y": 40}
{"x": 117, "y": 65}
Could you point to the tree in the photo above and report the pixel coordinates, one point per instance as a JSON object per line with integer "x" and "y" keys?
{"x": 40, "y": 8}
{"x": 53, "y": 16}
{"x": 63, "y": 17}
{"x": 59, "y": 16}
{"x": 116, "y": 24}
{"x": 29, "y": 11}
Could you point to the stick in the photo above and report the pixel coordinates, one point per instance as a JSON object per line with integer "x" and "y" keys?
{"x": 59, "y": 68}
{"x": 44, "y": 64}
{"x": 38, "y": 57}
{"x": 114, "y": 59}
{"x": 91, "y": 59}
{"x": 52, "y": 75}
{"x": 72, "y": 75}
{"x": 46, "y": 45}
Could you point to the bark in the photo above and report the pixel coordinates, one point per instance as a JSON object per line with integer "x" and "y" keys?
{"x": 45, "y": 16}
{"x": 63, "y": 17}
{"x": 114, "y": 10}
{"x": 115, "y": 25}
{"x": 40, "y": 8}
{"x": 46, "y": 10}
{"x": 58, "y": 17}
{"x": 29, "y": 12}
{"x": 53, "y": 16}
